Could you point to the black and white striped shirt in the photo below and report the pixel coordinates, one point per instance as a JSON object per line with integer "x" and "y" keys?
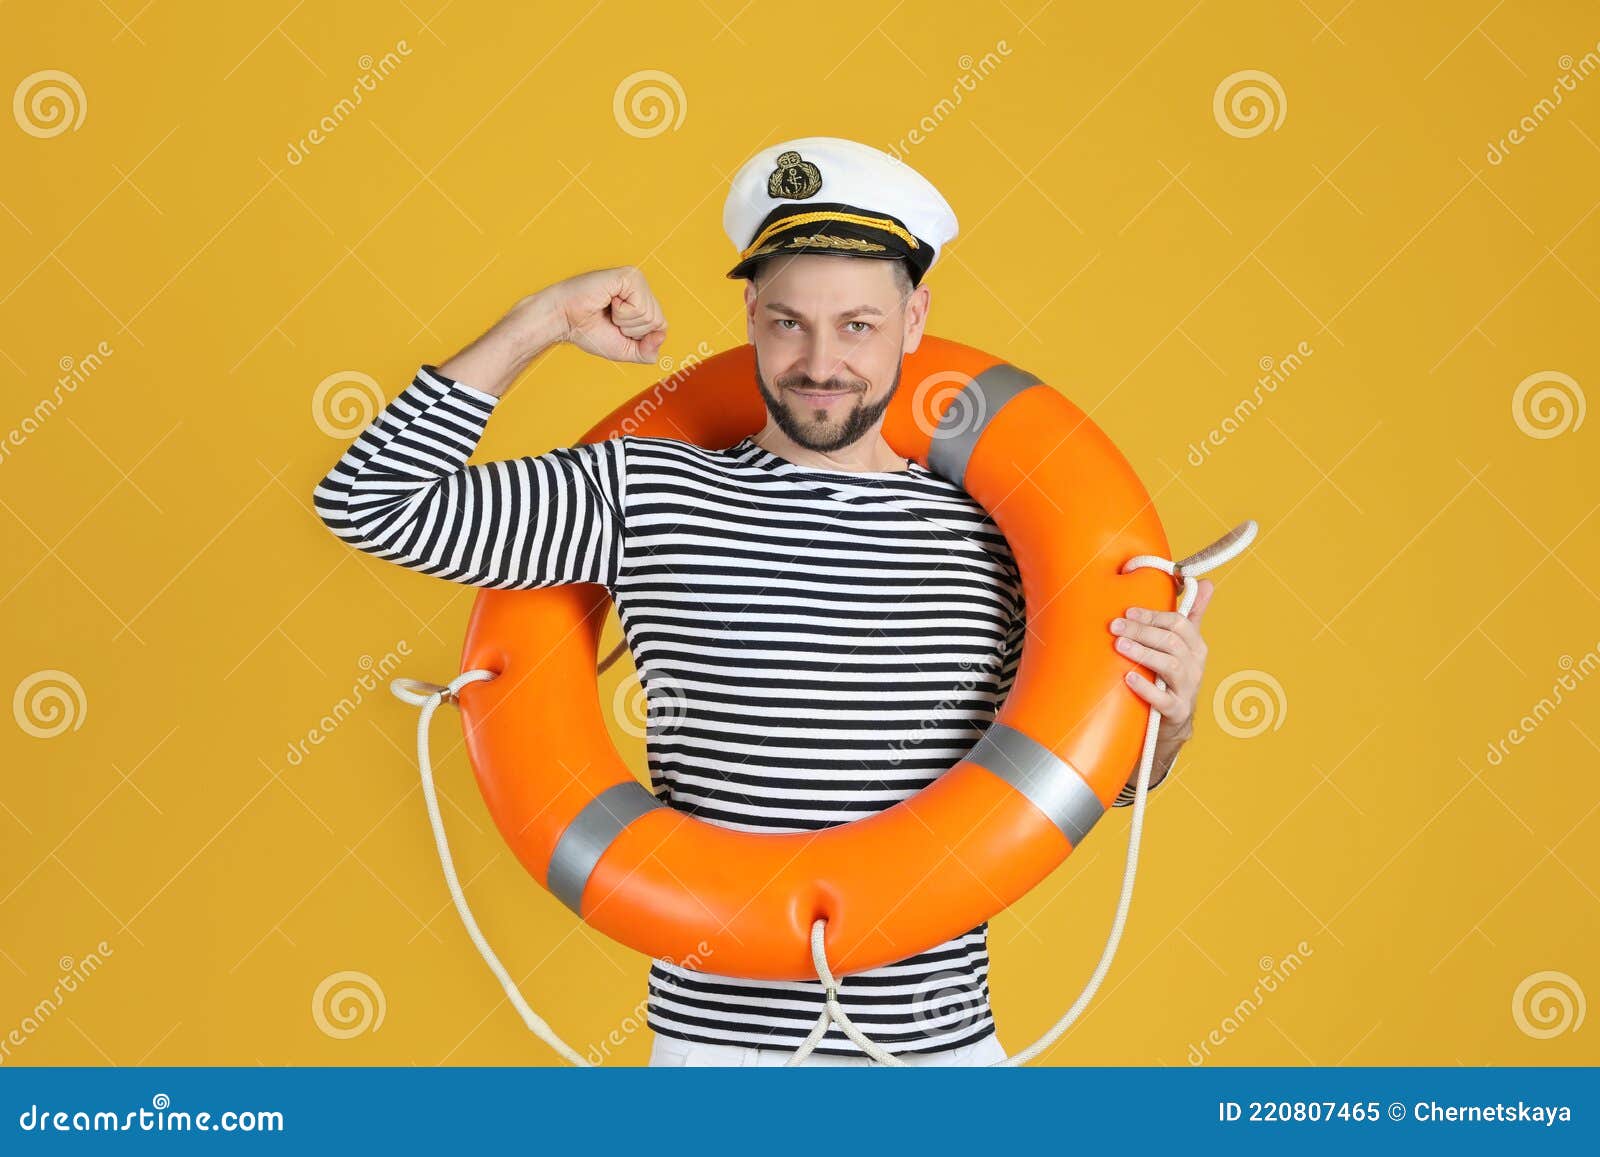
{"x": 815, "y": 645}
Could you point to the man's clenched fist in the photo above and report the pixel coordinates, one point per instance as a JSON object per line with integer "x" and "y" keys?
{"x": 612, "y": 314}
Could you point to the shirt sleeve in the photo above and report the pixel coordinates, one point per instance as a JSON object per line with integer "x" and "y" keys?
{"x": 1125, "y": 796}
{"x": 403, "y": 491}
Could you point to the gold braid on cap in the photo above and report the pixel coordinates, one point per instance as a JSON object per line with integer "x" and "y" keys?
{"x": 819, "y": 241}
{"x": 883, "y": 223}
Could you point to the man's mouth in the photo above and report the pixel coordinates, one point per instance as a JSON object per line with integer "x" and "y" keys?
{"x": 824, "y": 397}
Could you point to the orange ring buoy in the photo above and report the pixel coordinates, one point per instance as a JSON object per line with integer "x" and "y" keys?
{"x": 924, "y": 870}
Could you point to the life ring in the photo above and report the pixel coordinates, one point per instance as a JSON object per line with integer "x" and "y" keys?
{"x": 924, "y": 870}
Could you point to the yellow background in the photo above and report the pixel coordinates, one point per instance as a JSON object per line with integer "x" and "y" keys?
{"x": 1424, "y": 563}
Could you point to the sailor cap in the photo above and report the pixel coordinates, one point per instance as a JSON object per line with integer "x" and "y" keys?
{"x": 829, "y": 195}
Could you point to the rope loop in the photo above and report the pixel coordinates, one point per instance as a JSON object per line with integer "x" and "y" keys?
{"x": 428, "y": 697}
{"x": 832, "y": 1010}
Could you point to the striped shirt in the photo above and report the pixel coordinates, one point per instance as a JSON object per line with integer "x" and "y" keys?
{"x": 814, "y": 645}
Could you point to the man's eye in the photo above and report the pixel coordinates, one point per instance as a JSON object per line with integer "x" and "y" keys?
{"x": 786, "y": 321}
{"x": 866, "y": 326}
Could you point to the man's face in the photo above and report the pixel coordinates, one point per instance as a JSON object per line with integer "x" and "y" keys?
{"x": 830, "y": 335}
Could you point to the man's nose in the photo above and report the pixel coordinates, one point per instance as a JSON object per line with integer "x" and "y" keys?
{"x": 823, "y": 358}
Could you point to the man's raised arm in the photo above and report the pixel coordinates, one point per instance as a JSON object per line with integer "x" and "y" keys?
{"x": 403, "y": 490}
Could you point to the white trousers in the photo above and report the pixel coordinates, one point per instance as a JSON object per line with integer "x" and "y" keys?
{"x": 672, "y": 1051}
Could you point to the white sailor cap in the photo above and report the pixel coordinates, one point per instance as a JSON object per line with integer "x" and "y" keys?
{"x": 829, "y": 195}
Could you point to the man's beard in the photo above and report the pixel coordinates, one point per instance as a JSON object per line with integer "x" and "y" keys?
{"x": 804, "y": 433}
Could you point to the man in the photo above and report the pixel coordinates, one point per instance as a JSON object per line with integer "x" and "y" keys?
{"x": 821, "y": 626}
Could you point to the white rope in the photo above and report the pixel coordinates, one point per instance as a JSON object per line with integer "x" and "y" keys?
{"x": 428, "y": 696}
{"x": 1186, "y": 570}
{"x": 832, "y": 1010}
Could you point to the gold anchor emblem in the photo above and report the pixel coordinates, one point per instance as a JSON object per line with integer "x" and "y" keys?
{"x": 793, "y": 178}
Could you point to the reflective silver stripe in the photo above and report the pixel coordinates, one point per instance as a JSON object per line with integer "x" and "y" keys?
{"x": 1041, "y": 775}
{"x": 589, "y": 835}
{"x": 966, "y": 417}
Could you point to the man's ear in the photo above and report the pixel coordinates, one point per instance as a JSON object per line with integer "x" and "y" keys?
{"x": 916, "y": 316}
{"x": 750, "y": 310}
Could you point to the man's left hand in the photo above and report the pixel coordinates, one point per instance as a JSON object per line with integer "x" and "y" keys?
{"x": 1170, "y": 645}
